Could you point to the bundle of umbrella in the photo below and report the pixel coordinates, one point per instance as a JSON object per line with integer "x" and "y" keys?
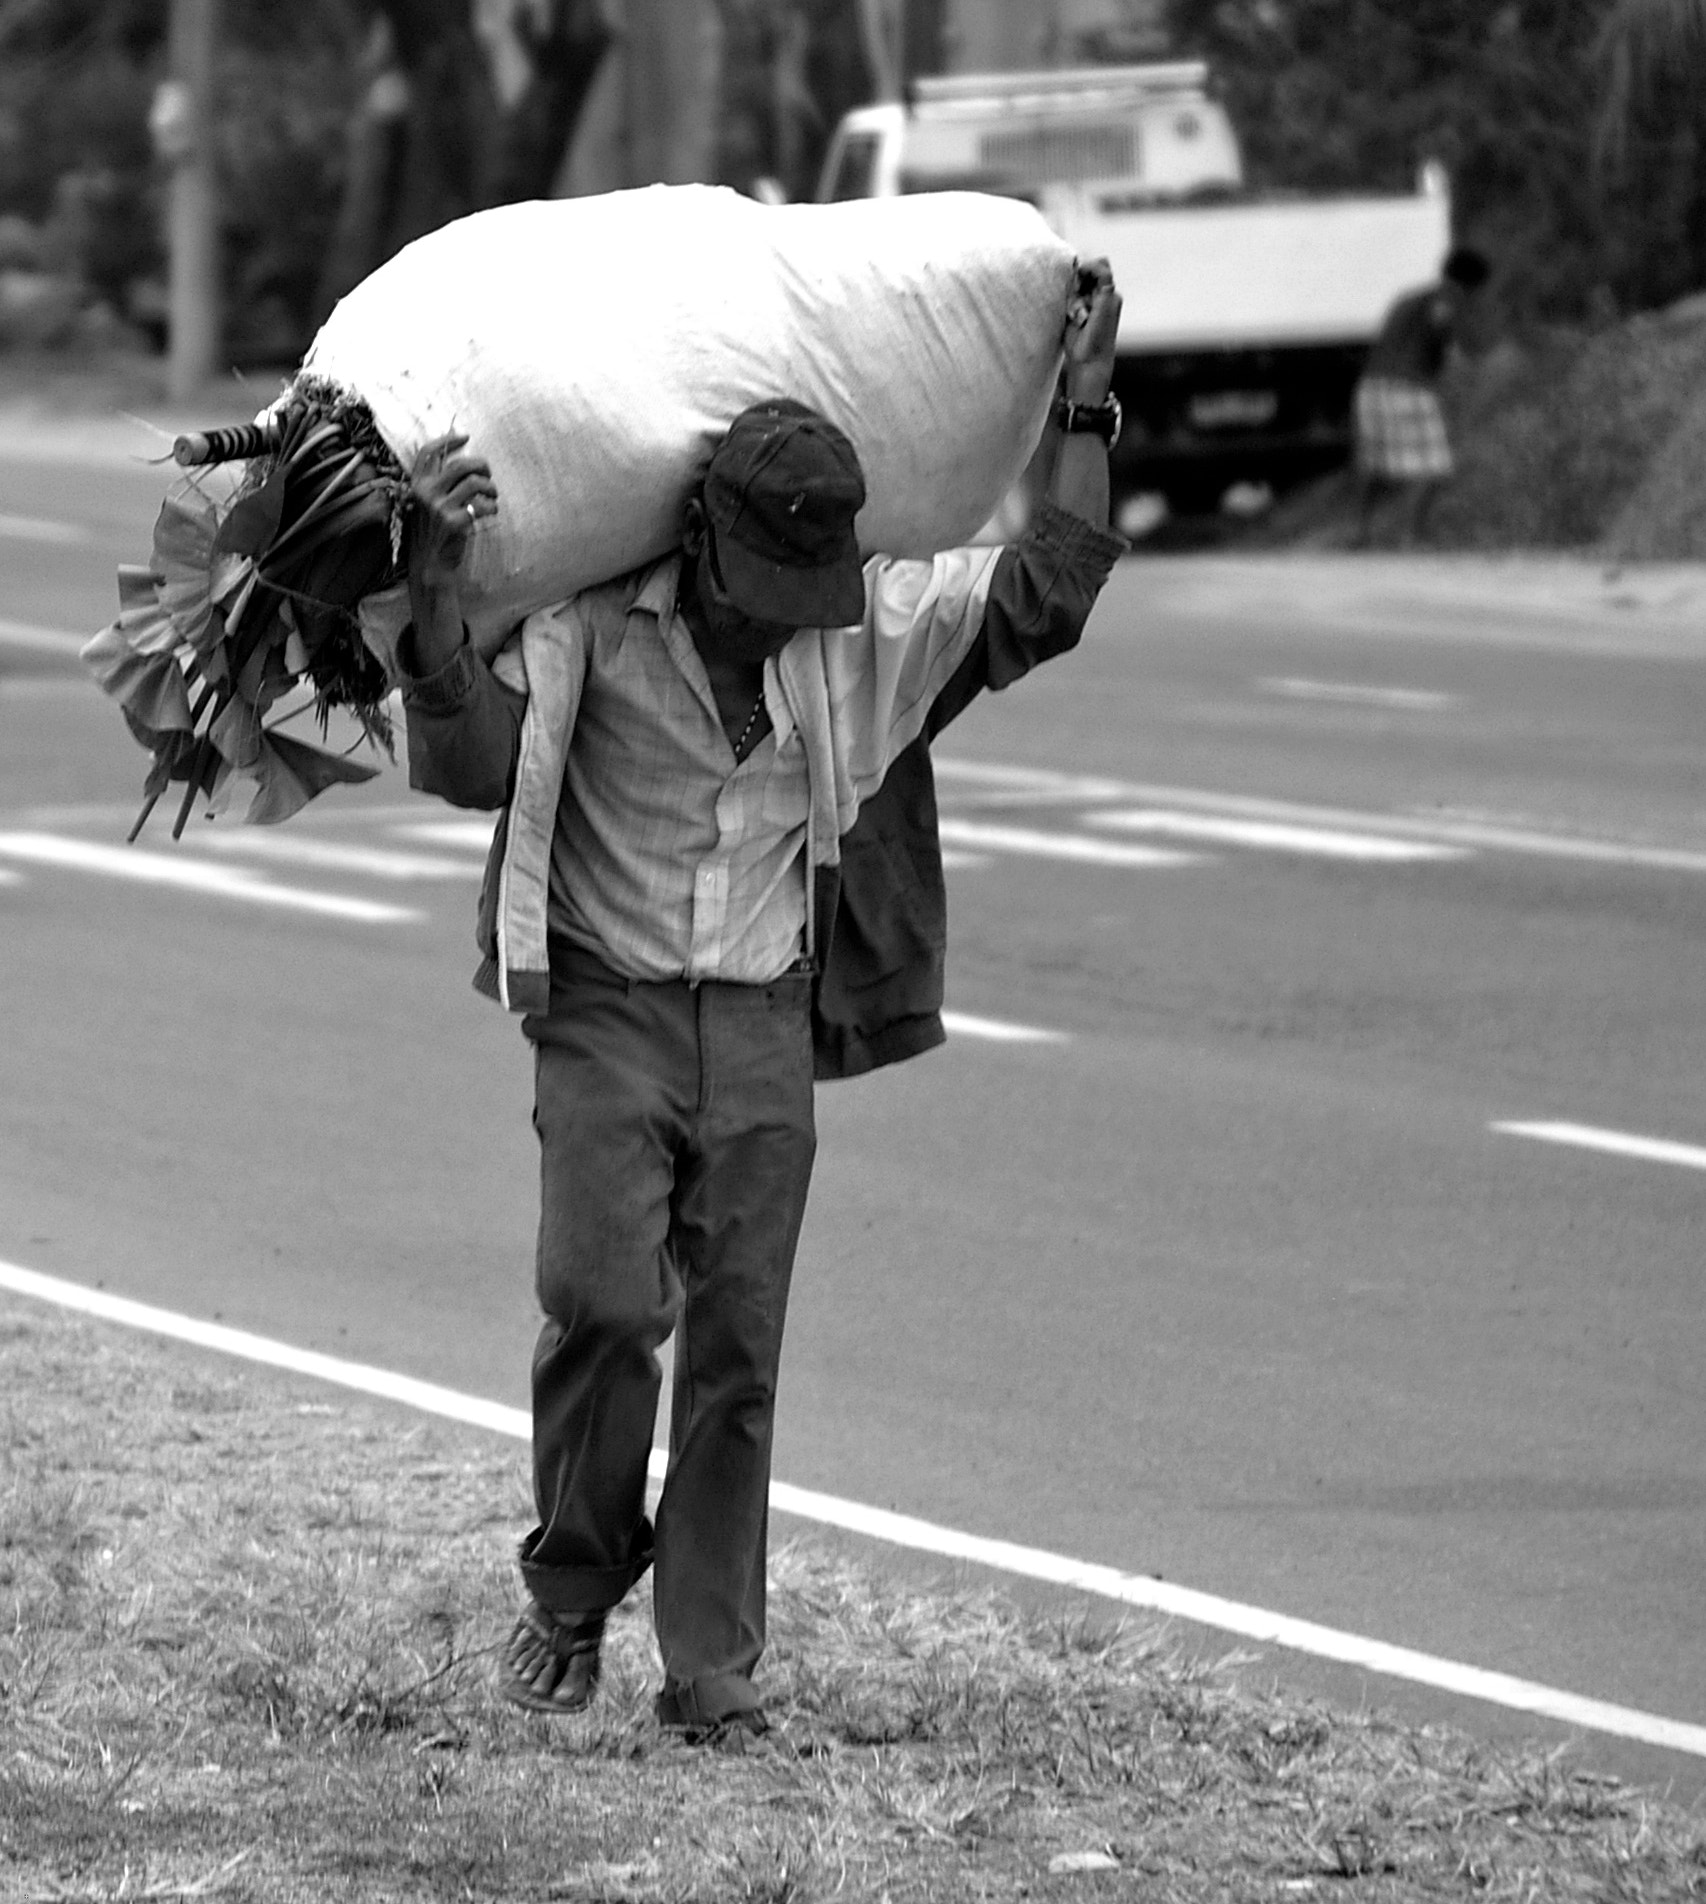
{"x": 249, "y": 598}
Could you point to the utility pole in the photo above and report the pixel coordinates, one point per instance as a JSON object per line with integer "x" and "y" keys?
{"x": 924, "y": 38}
{"x": 883, "y": 28}
{"x": 182, "y": 124}
{"x": 672, "y": 54}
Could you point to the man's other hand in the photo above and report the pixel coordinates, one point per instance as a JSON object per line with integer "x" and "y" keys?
{"x": 449, "y": 492}
{"x": 1092, "y": 332}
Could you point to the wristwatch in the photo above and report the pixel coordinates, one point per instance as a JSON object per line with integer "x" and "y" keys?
{"x": 1102, "y": 419}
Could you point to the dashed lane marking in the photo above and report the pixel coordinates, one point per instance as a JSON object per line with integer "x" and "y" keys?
{"x": 1652, "y": 1150}
{"x": 59, "y": 641}
{"x": 299, "y": 849}
{"x": 39, "y": 529}
{"x": 1275, "y": 836}
{"x": 999, "y": 1031}
{"x": 1033, "y": 786}
{"x": 1039, "y": 844}
{"x": 904, "y": 1530}
{"x": 470, "y": 836}
{"x": 192, "y": 875}
{"x": 1356, "y": 694}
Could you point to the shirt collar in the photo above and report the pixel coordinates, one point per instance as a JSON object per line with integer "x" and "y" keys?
{"x": 656, "y": 593}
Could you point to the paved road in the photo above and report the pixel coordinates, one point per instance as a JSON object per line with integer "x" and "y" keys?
{"x": 1309, "y": 878}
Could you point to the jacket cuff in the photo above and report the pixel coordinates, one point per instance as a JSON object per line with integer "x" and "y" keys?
{"x": 1076, "y": 541}
{"x": 451, "y": 687}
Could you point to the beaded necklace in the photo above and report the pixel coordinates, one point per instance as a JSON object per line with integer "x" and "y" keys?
{"x": 751, "y": 723}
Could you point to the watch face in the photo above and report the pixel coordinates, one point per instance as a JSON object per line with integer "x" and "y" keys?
{"x": 1101, "y": 419}
{"x": 1091, "y": 419}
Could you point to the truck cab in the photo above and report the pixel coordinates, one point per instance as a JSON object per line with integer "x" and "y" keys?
{"x": 1246, "y": 319}
{"x": 1150, "y": 132}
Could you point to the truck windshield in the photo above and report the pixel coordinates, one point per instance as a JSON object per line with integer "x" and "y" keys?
{"x": 854, "y": 173}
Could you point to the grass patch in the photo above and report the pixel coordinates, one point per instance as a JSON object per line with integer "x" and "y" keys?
{"x": 247, "y": 1637}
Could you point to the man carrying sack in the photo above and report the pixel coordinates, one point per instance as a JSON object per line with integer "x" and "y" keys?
{"x": 687, "y": 761}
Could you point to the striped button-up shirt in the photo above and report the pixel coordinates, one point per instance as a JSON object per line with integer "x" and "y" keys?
{"x": 670, "y": 860}
{"x": 630, "y": 830}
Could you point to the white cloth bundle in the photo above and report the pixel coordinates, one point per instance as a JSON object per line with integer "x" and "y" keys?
{"x": 594, "y": 349}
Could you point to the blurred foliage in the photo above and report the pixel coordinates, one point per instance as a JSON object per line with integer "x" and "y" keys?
{"x": 74, "y": 145}
{"x": 1574, "y": 131}
{"x": 1333, "y": 95}
{"x": 77, "y": 78}
{"x": 286, "y": 96}
{"x": 791, "y": 68}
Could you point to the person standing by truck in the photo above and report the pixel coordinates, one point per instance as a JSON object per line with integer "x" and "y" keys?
{"x": 1403, "y": 449}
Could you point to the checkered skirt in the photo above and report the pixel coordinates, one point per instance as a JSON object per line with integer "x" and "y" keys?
{"x": 1400, "y": 431}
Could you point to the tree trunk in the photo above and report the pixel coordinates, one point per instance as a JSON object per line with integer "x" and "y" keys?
{"x": 375, "y": 144}
{"x": 432, "y": 141}
{"x": 535, "y": 131}
{"x": 194, "y": 210}
{"x": 883, "y": 25}
{"x": 672, "y": 60}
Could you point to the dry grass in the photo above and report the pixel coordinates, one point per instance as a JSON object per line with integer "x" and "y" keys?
{"x": 1592, "y": 442}
{"x": 1566, "y": 442}
{"x": 246, "y": 1637}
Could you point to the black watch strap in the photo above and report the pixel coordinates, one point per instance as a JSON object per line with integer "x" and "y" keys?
{"x": 1092, "y": 419}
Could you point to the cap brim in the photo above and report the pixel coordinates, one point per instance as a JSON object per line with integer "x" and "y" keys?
{"x": 830, "y": 595}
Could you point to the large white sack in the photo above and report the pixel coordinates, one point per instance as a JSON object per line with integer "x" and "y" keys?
{"x": 594, "y": 349}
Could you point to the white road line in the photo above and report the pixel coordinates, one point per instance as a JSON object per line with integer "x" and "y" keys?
{"x": 1032, "y": 785}
{"x": 962, "y": 862}
{"x": 330, "y": 856}
{"x": 1039, "y": 783}
{"x": 37, "y": 529}
{"x": 1354, "y": 694}
{"x": 384, "y": 1383}
{"x": 999, "y": 1031}
{"x": 1249, "y": 1622}
{"x": 60, "y": 641}
{"x": 1275, "y": 836}
{"x": 180, "y": 870}
{"x": 473, "y": 836}
{"x": 1068, "y": 846}
{"x": 1652, "y": 1150}
{"x": 903, "y": 1530}
{"x": 1516, "y": 839}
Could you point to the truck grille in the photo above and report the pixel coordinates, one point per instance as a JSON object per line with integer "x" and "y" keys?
{"x": 1048, "y": 155}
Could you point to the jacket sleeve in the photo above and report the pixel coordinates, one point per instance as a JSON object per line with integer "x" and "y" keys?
{"x": 1040, "y": 598}
{"x": 464, "y": 728}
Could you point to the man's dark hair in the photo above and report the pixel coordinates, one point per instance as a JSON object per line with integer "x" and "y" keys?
{"x": 1466, "y": 266}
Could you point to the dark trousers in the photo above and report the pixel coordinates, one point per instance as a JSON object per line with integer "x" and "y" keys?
{"x": 676, "y": 1141}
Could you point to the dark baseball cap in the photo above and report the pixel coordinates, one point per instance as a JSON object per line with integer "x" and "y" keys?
{"x": 781, "y": 492}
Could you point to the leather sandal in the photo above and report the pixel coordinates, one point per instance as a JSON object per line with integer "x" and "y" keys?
{"x": 551, "y": 1662}
{"x": 677, "y": 1713}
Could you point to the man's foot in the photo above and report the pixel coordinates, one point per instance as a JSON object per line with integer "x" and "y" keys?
{"x": 551, "y": 1662}
{"x": 679, "y": 1714}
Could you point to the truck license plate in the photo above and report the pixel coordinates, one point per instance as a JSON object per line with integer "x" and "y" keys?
{"x": 1233, "y": 409}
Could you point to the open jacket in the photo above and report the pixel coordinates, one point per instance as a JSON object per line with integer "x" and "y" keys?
{"x": 497, "y": 737}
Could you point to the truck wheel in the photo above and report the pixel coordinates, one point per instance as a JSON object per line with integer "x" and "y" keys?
{"x": 1196, "y": 497}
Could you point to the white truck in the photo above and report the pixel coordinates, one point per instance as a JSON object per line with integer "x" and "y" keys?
{"x": 1246, "y": 319}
